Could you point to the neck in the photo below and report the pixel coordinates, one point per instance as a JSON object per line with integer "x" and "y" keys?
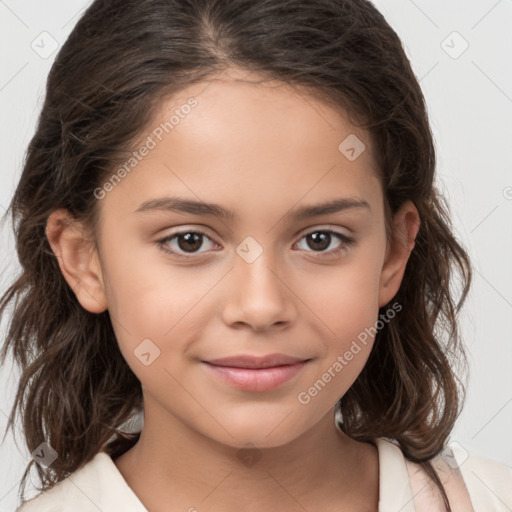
{"x": 187, "y": 469}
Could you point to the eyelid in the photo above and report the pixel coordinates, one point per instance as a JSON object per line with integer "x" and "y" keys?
{"x": 163, "y": 241}
{"x": 345, "y": 239}
{"x": 324, "y": 227}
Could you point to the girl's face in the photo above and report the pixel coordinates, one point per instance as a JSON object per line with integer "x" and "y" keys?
{"x": 266, "y": 279}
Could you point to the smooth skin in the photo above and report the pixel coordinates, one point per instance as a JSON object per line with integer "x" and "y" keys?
{"x": 262, "y": 150}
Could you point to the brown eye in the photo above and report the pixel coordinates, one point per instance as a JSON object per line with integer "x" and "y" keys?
{"x": 189, "y": 242}
{"x": 184, "y": 242}
{"x": 321, "y": 240}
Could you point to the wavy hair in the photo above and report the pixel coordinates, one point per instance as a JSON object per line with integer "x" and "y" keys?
{"x": 122, "y": 59}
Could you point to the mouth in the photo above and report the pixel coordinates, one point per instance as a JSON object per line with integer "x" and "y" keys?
{"x": 256, "y": 362}
{"x": 256, "y": 374}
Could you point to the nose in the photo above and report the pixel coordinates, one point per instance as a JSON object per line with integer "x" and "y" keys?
{"x": 258, "y": 295}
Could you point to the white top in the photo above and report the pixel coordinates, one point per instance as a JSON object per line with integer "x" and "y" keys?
{"x": 403, "y": 486}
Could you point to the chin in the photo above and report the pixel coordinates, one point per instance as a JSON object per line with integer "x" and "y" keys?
{"x": 269, "y": 435}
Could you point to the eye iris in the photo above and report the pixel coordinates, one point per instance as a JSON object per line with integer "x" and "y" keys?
{"x": 319, "y": 237}
{"x": 193, "y": 241}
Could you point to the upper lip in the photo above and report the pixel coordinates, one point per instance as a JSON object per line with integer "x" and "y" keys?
{"x": 248, "y": 361}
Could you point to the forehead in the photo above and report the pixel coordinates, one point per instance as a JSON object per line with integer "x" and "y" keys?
{"x": 237, "y": 112}
{"x": 241, "y": 139}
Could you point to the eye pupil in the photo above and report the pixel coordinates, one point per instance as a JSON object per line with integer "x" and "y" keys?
{"x": 193, "y": 241}
{"x": 319, "y": 237}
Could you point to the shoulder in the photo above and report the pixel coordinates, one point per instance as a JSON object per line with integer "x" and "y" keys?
{"x": 97, "y": 485}
{"x": 489, "y": 482}
{"x": 47, "y": 501}
{"x": 51, "y": 500}
{"x": 471, "y": 482}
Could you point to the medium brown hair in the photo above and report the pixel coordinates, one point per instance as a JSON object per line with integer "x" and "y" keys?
{"x": 76, "y": 392}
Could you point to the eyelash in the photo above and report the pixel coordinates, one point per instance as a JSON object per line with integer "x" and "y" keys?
{"x": 347, "y": 242}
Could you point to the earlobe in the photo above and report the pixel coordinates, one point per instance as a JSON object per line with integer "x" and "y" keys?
{"x": 78, "y": 260}
{"x": 406, "y": 224}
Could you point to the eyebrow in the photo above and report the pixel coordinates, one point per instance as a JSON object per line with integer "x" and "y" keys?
{"x": 179, "y": 205}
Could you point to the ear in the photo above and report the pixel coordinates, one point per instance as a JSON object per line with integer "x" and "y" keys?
{"x": 406, "y": 224}
{"x": 78, "y": 259}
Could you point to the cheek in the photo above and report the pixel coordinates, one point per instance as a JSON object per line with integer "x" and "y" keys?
{"x": 343, "y": 300}
{"x": 344, "y": 297}
{"x": 157, "y": 311}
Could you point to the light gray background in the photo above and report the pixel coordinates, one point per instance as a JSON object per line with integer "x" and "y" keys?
{"x": 470, "y": 104}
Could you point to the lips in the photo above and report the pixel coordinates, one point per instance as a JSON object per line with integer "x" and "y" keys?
{"x": 255, "y": 362}
{"x": 256, "y": 374}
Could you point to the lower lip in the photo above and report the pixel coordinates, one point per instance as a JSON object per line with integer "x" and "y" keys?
{"x": 262, "y": 379}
